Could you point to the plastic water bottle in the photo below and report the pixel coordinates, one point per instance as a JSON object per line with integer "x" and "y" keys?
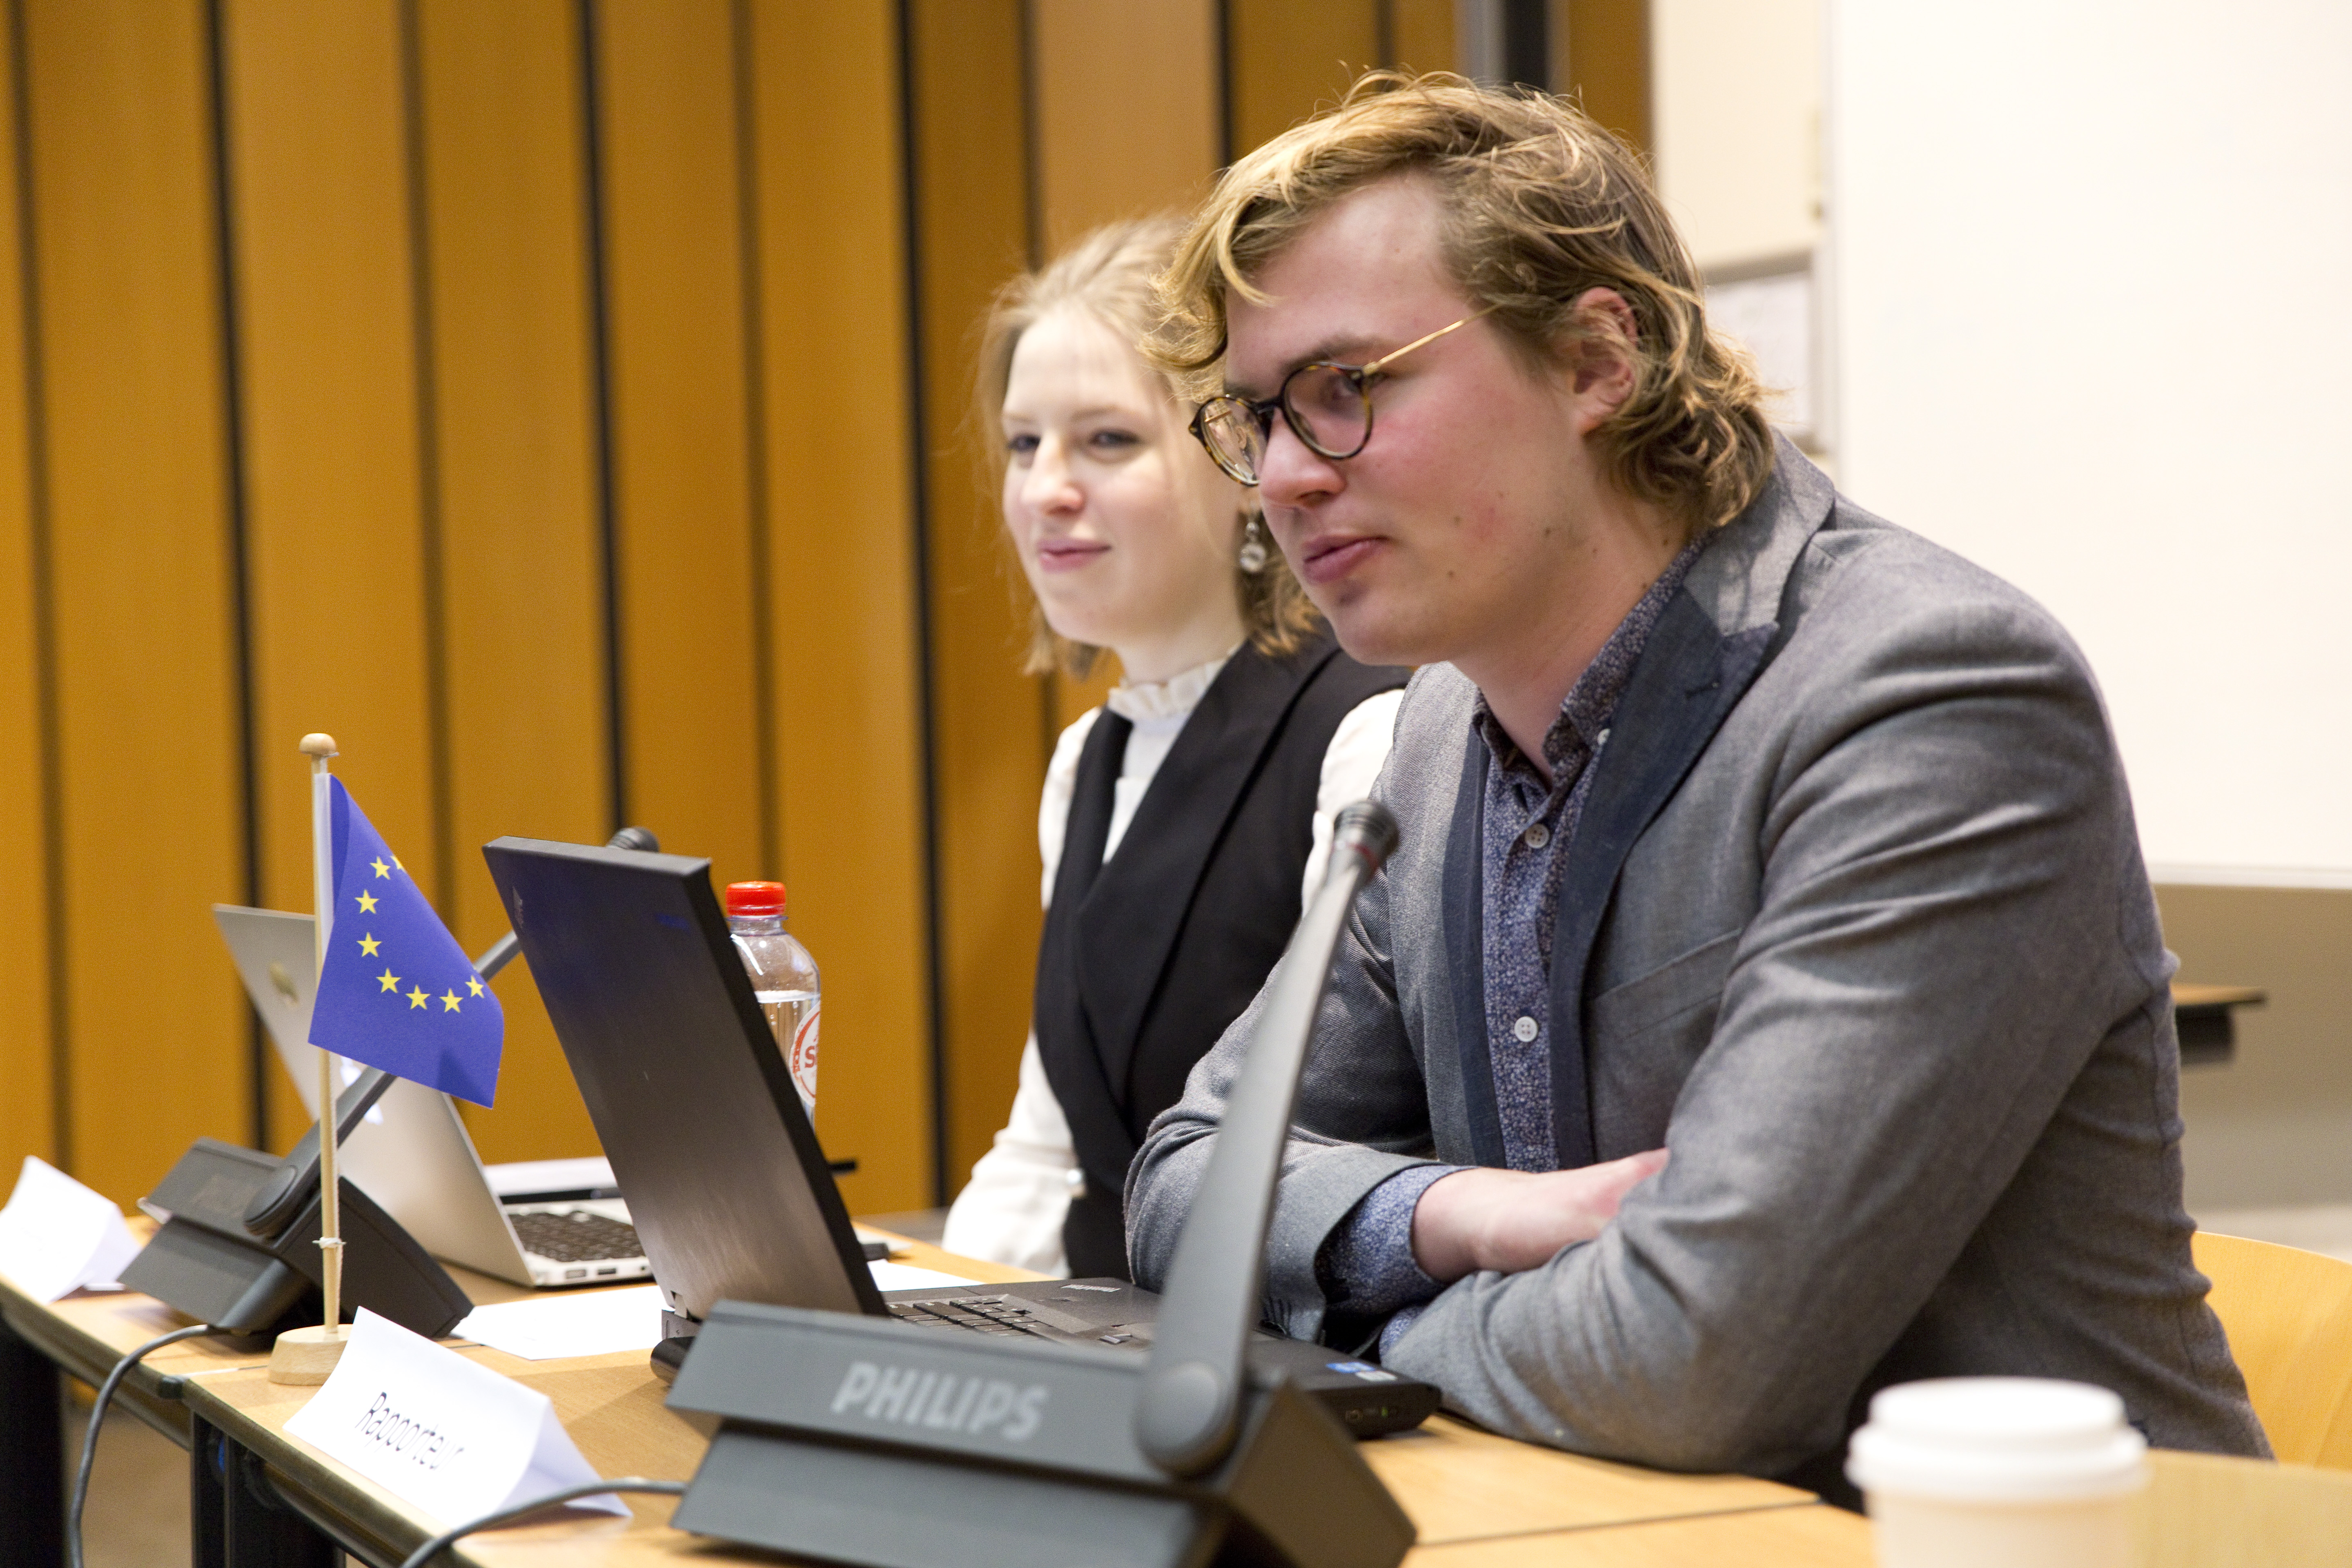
{"x": 783, "y": 977}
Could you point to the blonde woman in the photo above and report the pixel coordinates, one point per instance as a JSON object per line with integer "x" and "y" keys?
{"x": 1184, "y": 822}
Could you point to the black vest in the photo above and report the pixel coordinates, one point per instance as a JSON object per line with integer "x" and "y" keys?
{"x": 1146, "y": 959}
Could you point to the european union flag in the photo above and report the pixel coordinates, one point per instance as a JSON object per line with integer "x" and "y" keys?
{"x": 397, "y": 992}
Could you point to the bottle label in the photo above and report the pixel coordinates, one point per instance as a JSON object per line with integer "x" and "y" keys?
{"x": 802, "y": 1058}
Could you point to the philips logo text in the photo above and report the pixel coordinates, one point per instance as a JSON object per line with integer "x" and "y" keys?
{"x": 942, "y": 1400}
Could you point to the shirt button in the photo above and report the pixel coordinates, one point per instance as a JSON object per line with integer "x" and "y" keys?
{"x": 1537, "y": 836}
{"x": 1524, "y": 1030}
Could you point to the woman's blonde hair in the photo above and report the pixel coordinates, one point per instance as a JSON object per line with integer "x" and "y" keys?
{"x": 1111, "y": 274}
{"x": 1539, "y": 203}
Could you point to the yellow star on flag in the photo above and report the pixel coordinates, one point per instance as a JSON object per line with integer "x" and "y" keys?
{"x": 381, "y": 869}
{"x": 418, "y": 998}
{"x": 367, "y": 903}
{"x": 475, "y": 986}
{"x": 368, "y": 944}
{"x": 388, "y": 980}
{"x": 448, "y": 1001}
{"x": 397, "y": 864}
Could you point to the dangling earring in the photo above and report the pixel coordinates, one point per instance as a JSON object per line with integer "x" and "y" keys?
{"x": 1253, "y": 555}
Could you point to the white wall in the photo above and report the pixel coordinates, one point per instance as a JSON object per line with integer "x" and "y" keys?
{"x": 1735, "y": 111}
{"x": 2092, "y": 272}
{"x": 2100, "y": 273}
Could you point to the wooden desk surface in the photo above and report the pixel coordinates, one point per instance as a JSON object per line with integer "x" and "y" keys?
{"x": 1458, "y": 1483}
{"x": 1477, "y": 1501}
{"x": 2217, "y": 996}
{"x": 2201, "y": 1511}
{"x": 1812, "y": 1536}
{"x": 1462, "y": 1486}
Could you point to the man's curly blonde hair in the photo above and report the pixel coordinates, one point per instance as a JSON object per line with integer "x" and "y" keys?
{"x": 1539, "y": 204}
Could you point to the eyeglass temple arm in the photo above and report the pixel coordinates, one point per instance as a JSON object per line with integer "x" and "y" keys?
{"x": 1399, "y": 353}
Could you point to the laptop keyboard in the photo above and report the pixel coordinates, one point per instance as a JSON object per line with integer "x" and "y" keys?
{"x": 979, "y": 1314}
{"x": 576, "y": 1236}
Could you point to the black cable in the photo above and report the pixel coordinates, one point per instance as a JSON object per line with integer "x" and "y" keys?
{"x": 424, "y": 1554}
{"x": 97, "y": 1416}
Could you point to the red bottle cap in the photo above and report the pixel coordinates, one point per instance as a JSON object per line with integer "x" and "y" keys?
{"x": 755, "y": 898}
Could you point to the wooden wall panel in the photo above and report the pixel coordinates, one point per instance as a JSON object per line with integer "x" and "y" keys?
{"x": 149, "y": 724}
{"x": 1126, "y": 105}
{"x": 971, "y": 185}
{"x": 1069, "y": 698}
{"x": 27, "y": 1120}
{"x": 1289, "y": 57}
{"x": 839, "y": 481}
{"x": 503, "y": 304}
{"x": 1420, "y": 35}
{"x": 337, "y": 548}
{"x": 1601, "y": 52}
{"x": 692, "y": 707}
{"x": 498, "y": 137}
{"x": 1129, "y": 112}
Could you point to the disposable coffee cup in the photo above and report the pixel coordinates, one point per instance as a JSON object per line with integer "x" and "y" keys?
{"x": 2019, "y": 1472}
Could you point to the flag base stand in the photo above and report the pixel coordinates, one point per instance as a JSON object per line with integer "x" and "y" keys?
{"x": 308, "y": 1355}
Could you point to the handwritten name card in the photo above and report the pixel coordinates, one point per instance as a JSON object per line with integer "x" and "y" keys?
{"x": 449, "y": 1437}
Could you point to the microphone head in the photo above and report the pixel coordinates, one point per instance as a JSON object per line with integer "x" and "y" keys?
{"x": 1370, "y": 829}
{"x": 637, "y": 838}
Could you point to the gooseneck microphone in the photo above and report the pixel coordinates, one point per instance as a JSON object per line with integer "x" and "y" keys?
{"x": 1186, "y": 1418}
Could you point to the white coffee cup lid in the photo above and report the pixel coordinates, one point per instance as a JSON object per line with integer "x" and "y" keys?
{"x": 1997, "y": 1439}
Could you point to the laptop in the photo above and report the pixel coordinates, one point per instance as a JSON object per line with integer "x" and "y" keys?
{"x": 729, "y": 1188}
{"x": 562, "y": 1225}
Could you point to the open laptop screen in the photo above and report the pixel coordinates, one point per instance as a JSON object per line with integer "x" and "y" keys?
{"x": 721, "y": 1170}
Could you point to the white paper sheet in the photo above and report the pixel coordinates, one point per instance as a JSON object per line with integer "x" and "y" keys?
{"x": 443, "y": 1434}
{"x": 867, "y": 1237}
{"x": 907, "y": 1276}
{"x": 57, "y": 1236}
{"x": 552, "y": 1327}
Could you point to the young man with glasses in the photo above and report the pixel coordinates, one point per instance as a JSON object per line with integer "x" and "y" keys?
{"x": 1736, "y": 823}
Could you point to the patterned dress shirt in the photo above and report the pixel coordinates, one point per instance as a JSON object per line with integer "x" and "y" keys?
{"x": 1367, "y": 1269}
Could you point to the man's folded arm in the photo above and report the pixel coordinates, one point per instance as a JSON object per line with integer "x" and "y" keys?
{"x": 1362, "y": 1117}
{"x": 1368, "y": 1267}
{"x": 1935, "y": 956}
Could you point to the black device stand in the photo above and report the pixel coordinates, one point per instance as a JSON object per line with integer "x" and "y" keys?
{"x": 862, "y": 1441}
{"x": 205, "y": 1263}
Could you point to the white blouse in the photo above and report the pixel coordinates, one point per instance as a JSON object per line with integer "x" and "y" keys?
{"x": 1012, "y": 1209}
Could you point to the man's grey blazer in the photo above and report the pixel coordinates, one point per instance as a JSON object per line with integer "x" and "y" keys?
{"x": 1855, "y": 925}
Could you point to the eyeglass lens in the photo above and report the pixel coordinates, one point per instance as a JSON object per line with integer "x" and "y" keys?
{"x": 1327, "y": 409}
{"x": 1233, "y": 437}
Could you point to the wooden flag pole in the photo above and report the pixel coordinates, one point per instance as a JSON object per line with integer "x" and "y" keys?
{"x": 309, "y": 1355}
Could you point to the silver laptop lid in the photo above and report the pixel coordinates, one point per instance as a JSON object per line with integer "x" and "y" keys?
{"x": 412, "y": 1154}
{"x": 276, "y": 958}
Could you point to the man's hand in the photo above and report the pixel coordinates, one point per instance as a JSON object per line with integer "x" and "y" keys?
{"x": 1510, "y": 1220}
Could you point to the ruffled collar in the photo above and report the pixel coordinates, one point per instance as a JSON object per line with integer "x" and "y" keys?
{"x": 1174, "y": 697}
